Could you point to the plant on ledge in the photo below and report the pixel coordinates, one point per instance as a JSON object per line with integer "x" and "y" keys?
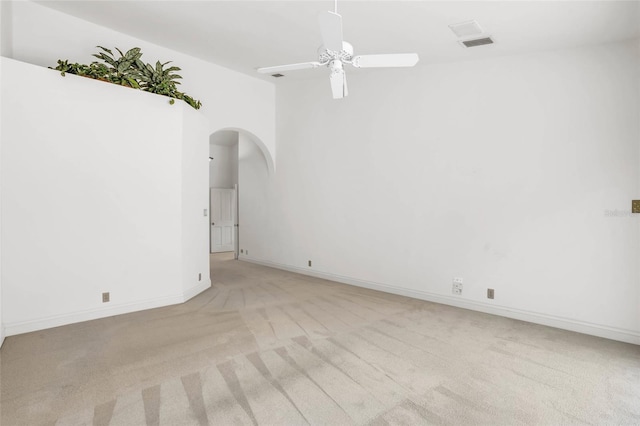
{"x": 162, "y": 81}
{"x": 121, "y": 70}
{"x": 128, "y": 70}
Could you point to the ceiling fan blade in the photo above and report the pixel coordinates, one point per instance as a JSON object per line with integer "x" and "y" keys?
{"x": 290, "y": 67}
{"x": 381, "y": 61}
{"x": 338, "y": 84}
{"x": 331, "y": 29}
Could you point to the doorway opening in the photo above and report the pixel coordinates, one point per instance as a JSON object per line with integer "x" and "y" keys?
{"x": 223, "y": 192}
{"x": 235, "y": 155}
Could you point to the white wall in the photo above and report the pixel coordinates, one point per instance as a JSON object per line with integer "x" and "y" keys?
{"x": 256, "y": 230}
{"x": 195, "y": 203}
{"x": 41, "y": 36}
{"x": 234, "y": 161}
{"x": 5, "y": 28}
{"x": 223, "y": 169}
{"x": 2, "y": 42}
{"x": 101, "y": 192}
{"x": 637, "y": 195}
{"x": 499, "y": 171}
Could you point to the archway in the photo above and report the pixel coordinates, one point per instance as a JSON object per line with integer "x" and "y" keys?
{"x": 266, "y": 153}
{"x": 225, "y": 154}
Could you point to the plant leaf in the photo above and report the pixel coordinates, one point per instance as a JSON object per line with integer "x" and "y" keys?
{"x": 131, "y": 53}
{"x": 106, "y": 50}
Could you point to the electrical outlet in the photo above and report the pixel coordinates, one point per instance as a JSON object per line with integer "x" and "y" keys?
{"x": 456, "y": 288}
{"x": 309, "y": 263}
{"x": 635, "y": 206}
{"x": 490, "y": 293}
{"x": 200, "y": 277}
{"x": 241, "y": 250}
{"x": 105, "y": 297}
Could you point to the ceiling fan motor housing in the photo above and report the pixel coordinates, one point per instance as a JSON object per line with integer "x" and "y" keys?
{"x": 327, "y": 56}
{"x": 336, "y": 66}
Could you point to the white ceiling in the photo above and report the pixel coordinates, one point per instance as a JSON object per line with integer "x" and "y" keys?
{"x": 244, "y": 35}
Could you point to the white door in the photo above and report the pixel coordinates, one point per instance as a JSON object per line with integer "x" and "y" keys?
{"x": 223, "y": 213}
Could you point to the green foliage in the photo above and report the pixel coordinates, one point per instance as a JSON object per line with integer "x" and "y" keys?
{"x": 158, "y": 79}
{"x": 128, "y": 70}
{"x": 121, "y": 70}
{"x": 93, "y": 70}
{"x": 193, "y": 102}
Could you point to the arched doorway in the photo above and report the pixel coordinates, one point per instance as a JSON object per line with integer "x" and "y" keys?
{"x": 227, "y": 147}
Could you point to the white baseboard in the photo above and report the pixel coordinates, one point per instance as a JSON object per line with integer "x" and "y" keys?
{"x": 89, "y": 314}
{"x": 1, "y": 335}
{"x": 622, "y": 335}
{"x": 196, "y": 290}
{"x": 11, "y": 329}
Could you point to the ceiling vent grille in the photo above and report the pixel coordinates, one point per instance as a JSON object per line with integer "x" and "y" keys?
{"x": 477, "y": 42}
{"x": 277, "y": 75}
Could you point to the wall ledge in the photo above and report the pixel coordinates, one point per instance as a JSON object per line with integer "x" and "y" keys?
{"x": 598, "y": 330}
{"x": 183, "y": 131}
{"x": 12, "y": 329}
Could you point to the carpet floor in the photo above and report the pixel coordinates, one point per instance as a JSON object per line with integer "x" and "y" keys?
{"x": 264, "y": 346}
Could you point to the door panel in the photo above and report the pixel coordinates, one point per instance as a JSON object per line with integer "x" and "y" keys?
{"x": 223, "y": 207}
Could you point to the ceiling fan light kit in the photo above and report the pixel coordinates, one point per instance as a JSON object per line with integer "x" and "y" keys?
{"x": 335, "y": 53}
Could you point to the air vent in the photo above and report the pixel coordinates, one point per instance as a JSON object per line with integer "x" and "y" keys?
{"x": 477, "y": 42}
{"x": 466, "y": 29}
{"x": 277, "y": 75}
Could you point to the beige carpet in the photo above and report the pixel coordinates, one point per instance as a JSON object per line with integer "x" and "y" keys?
{"x": 263, "y": 346}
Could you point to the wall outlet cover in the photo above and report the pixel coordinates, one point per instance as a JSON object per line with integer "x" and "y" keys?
{"x": 635, "y": 206}
{"x": 105, "y": 297}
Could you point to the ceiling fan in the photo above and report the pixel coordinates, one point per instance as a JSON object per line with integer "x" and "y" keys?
{"x": 335, "y": 53}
